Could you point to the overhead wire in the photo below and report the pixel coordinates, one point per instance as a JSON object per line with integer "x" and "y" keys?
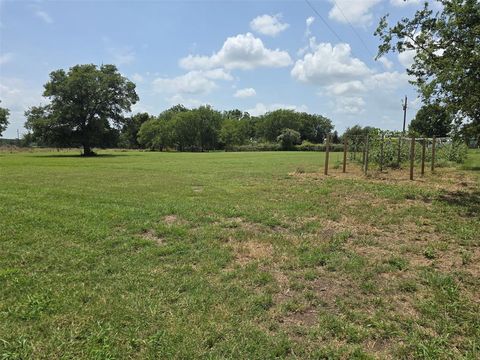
{"x": 353, "y": 29}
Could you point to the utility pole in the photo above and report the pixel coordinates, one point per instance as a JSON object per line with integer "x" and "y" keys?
{"x": 404, "y": 114}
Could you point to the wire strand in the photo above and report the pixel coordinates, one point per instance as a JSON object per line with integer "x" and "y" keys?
{"x": 324, "y": 21}
{"x": 353, "y": 29}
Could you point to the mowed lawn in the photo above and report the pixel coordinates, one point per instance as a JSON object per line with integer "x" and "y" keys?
{"x": 235, "y": 255}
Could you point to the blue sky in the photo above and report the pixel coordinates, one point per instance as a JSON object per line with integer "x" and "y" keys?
{"x": 252, "y": 55}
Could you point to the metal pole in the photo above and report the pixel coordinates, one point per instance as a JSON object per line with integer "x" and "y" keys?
{"x": 345, "y": 150}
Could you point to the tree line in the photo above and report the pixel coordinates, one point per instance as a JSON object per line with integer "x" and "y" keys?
{"x": 87, "y": 107}
{"x": 205, "y": 128}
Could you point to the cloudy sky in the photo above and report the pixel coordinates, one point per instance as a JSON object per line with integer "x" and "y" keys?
{"x": 252, "y": 55}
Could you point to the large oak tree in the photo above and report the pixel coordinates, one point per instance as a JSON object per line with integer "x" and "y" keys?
{"x": 87, "y": 105}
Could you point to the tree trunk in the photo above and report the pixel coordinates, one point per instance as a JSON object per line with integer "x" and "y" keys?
{"x": 87, "y": 150}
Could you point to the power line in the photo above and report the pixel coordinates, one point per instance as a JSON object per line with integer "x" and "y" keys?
{"x": 323, "y": 20}
{"x": 353, "y": 29}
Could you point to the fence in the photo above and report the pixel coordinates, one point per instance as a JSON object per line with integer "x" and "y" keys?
{"x": 388, "y": 151}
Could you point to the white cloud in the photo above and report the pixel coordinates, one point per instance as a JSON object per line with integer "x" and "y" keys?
{"x": 185, "y": 101}
{"x": 402, "y": 3}
{"x": 193, "y": 82}
{"x": 350, "y": 105}
{"x": 44, "y": 16}
{"x": 122, "y": 56}
{"x": 261, "y": 108}
{"x": 137, "y": 78}
{"x": 5, "y": 58}
{"x": 328, "y": 64}
{"x": 387, "y": 64}
{"x": 268, "y": 24}
{"x": 349, "y": 87}
{"x": 406, "y": 58}
{"x": 18, "y": 96}
{"x": 308, "y": 22}
{"x": 386, "y": 81}
{"x": 346, "y": 80}
{"x": 243, "y": 51}
{"x": 357, "y": 12}
{"x": 244, "y": 93}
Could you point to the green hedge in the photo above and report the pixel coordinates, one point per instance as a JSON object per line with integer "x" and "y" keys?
{"x": 305, "y": 146}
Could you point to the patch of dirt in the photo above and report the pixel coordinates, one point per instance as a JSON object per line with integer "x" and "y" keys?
{"x": 307, "y": 318}
{"x": 173, "y": 220}
{"x": 449, "y": 179}
{"x": 151, "y": 236}
{"x": 248, "y": 251}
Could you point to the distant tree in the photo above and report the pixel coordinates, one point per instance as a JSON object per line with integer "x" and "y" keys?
{"x": 197, "y": 129}
{"x": 272, "y": 123}
{"x": 130, "y": 129}
{"x": 4, "y": 113}
{"x": 314, "y": 128}
{"x": 446, "y": 49}
{"x": 288, "y": 138}
{"x": 231, "y": 133}
{"x": 432, "y": 119}
{"x": 87, "y": 103}
{"x": 156, "y": 134}
{"x": 335, "y": 137}
{"x": 27, "y": 140}
{"x": 356, "y": 135}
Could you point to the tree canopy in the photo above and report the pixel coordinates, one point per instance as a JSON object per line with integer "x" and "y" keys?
{"x": 446, "y": 49}
{"x": 206, "y": 129}
{"x": 4, "y": 113}
{"x": 87, "y": 105}
{"x": 432, "y": 120}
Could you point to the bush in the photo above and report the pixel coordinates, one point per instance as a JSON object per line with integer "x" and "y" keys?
{"x": 446, "y": 152}
{"x": 454, "y": 152}
{"x": 288, "y": 139}
{"x": 308, "y": 146}
{"x": 255, "y": 147}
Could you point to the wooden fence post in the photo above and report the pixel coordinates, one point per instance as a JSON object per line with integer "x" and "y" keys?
{"x": 366, "y": 155}
{"x": 364, "y": 149}
{"x": 345, "y": 150}
{"x": 433, "y": 153}
{"x": 423, "y": 156}
{"x": 382, "y": 152}
{"x": 327, "y": 152}
{"x": 412, "y": 157}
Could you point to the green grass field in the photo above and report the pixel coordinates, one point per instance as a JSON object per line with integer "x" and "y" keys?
{"x": 235, "y": 255}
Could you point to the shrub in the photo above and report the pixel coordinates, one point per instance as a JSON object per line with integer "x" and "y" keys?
{"x": 255, "y": 147}
{"x": 288, "y": 139}
{"x": 308, "y": 146}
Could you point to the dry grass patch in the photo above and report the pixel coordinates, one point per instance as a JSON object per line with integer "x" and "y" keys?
{"x": 246, "y": 252}
{"x": 150, "y": 235}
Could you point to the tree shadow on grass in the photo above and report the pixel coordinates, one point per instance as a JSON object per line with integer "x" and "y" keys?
{"x": 468, "y": 201}
{"x": 472, "y": 168}
{"x": 79, "y": 156}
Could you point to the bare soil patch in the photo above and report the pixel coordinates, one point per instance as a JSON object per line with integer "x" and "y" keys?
{"x": 151, "y": 236}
